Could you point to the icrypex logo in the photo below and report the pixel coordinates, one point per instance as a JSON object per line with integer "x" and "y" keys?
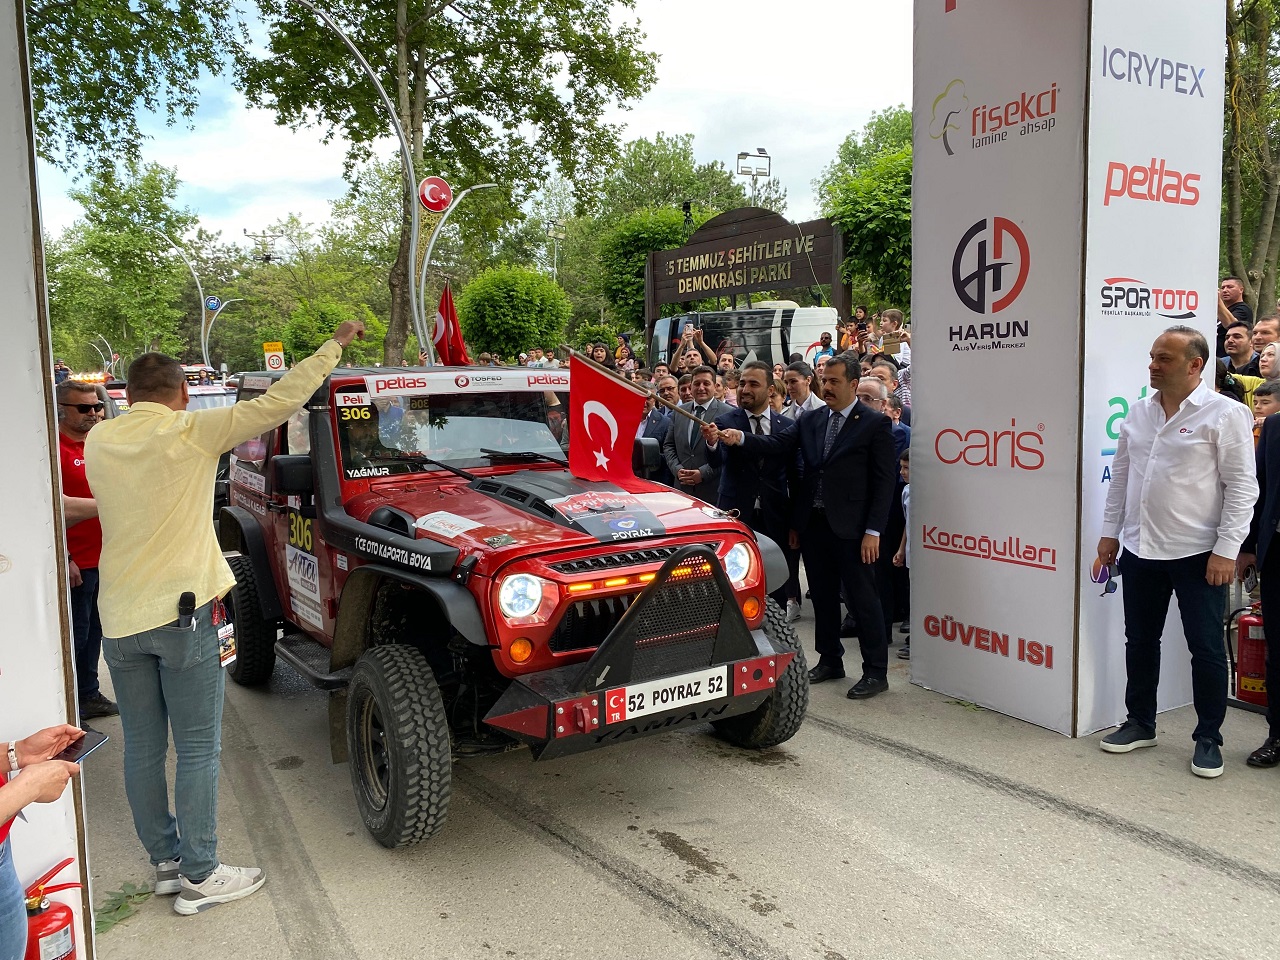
{"x": 1156, "y": 183}
{"x": 1128, "y": 297}
{"x": 984, "y": 547}
{"x": 1170, "y": 76}
{"x": 981, "y": 252}
{"x": 1012, "y": 449}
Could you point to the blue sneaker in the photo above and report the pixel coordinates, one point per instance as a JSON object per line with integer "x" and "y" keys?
{"x": 1207, "y": 761}
{"x": 1130, "y": 736}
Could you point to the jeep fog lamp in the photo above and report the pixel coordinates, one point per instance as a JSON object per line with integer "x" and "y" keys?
{"x": 521, "y": 649}
{"x": 737, "y": 563}
{"x": 520, "y": 595}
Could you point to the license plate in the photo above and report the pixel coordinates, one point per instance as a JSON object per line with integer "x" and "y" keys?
{"x": 657, "y": 696}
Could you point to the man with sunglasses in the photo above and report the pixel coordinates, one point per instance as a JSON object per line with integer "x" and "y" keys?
{"x": 79, "y": 411}
{"x": 1182, "y": 492}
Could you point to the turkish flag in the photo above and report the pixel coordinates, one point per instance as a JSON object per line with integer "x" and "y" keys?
{"x": 604, "y": 414}
{"x": 450, "y": 350}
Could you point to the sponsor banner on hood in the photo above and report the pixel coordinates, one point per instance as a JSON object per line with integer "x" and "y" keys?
{"x": 483, "y": 379}
{"x": 446, "y": 524}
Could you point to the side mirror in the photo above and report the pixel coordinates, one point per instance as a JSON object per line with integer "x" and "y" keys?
{"x": 291, "y": 475}
{"x": 646, "y": 456}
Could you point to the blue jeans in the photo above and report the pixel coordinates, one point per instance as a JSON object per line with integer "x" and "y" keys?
{"x": 87, "y": 629}
{"x": 170, "y": 677}
{"x": 1147, "y": 586}
{"x": 13, "y": 912}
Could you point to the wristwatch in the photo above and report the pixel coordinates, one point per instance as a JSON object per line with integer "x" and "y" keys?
{"x": 13, "y": 756}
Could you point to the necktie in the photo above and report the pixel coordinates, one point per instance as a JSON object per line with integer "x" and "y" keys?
{"x": 755, "y": 424}
{"x": 833, "y": 430}
{"x": 693, "y": 427}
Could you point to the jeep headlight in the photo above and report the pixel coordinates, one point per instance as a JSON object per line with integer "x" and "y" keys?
{"x": 520, "y": 596}
{"x": 737, "y": 563}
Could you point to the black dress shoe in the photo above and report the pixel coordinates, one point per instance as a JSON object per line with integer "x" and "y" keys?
{"x": 1267, "y": 755}
{"x": 867, "y": 687}
{"x": 848, "y": 628}
{"x": 98, "y": 706}
{"x": 824, "y": 672}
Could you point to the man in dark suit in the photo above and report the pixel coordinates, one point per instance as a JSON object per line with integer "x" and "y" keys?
{"x": 1261, "y": 550}
{"x": 839, "y": 508}
{"x": 756, "y": 487}
{"x": 685, "y": 449}
{"x": 654, "y": 426}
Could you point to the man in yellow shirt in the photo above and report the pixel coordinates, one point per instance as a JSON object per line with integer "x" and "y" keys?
{"x": 152, "y": 474}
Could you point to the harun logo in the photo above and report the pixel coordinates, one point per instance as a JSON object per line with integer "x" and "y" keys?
{"x": 949, "y": 107}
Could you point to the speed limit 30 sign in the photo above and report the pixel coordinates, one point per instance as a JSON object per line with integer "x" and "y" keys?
{"x": 274, "y": 354}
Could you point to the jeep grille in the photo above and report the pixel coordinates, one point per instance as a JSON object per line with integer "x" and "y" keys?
{"x": 588, "y": 622}
{"x": 677, "y": 631}
{"x": 611, "y": 561}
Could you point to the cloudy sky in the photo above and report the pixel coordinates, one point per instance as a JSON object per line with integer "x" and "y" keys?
{"x": 793, "y": 78}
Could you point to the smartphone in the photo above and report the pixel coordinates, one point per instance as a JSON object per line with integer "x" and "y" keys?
{"x": 862, "y": 325}
{"x": 90, "y": 742}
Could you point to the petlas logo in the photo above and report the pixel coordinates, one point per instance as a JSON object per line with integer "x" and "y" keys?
{"x": 1156, "y": 182}
{"x": 980, "y": 546}
{"x": 1128, "y": 297}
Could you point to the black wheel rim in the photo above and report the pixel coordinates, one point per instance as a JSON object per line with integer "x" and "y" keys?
{"x": 371, "y": 749}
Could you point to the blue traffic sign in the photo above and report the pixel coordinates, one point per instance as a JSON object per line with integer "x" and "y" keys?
{"x": 212, "y": 303}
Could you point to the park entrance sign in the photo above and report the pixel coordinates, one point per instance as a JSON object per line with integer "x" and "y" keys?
{"x": 1066, "y": 195}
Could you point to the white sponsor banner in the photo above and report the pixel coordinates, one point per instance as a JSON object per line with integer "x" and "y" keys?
{"x": 481, "y": 380}
{"x": 304, "y": 585}
{"x": 35, "y": 655}
{"x": 446, "y": 524}
{"x": 997, "y": 224}
{"x": 1154, "y": 203}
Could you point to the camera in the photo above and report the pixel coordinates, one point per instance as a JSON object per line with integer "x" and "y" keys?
{"x": 862, "y": 325}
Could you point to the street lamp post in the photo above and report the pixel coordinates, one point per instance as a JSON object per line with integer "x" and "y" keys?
{"x": 204, "y": 343}
{"x": 424, "y": 341}
{"x": 110, "y": 353}
{"x": 556, "y": 232}
{"x": 194, "y": 276}
{"x": 754, "y": 165}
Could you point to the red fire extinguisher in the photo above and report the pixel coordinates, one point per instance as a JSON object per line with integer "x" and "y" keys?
{"x": 50, "y": 926}
{"x": 1251, "y": 658}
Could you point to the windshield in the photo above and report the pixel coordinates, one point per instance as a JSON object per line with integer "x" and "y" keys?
{"x": 203, "y": 401}
{"x": 397, "y": 434}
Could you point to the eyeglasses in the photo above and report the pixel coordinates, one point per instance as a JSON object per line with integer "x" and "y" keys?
{"x": 86, "y": 407}
{"x": 1106, "y": 575}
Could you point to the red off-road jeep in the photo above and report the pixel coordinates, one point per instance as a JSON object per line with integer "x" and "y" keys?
{"x": 433, "y": 564}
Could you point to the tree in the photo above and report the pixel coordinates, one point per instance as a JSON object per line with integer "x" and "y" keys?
{"x": 484, "y": 89}
{"x": 509, "y": 309}
{"x": 93, "y": 65}
{"x": 1251, "y": 161}
{"x": 663, "y": 173}
{"x": 887, "y": 131}
{"x": 873, "y": 208}
{"x": 312, "y": 323}
{"x": 626, "y": 248}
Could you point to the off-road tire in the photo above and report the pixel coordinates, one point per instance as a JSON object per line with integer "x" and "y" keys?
{"x": 255, "y": 636}
{"x": 398, "y": 745}
{"x": 778, "y": 718}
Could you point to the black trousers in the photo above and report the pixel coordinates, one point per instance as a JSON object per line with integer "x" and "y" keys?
{"x": 760, "y": 522}
{"x": 889, "y": 577}
{"x": 1269, "y": 586}
{"x": 832, "y": 562}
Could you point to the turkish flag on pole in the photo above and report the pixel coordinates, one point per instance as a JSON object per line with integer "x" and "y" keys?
{"x": 604, "y": 414}
{"x": 450, "y": 350}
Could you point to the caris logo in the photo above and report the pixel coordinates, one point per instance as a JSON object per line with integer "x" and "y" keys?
{"x": 1127, "y": 297}
{"x": 1154, "y": 183}
{"x": 1011, "y": 448}
{"x": 1158, "y": 73}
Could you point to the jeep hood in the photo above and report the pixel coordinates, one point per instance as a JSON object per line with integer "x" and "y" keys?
{"x": 539, "y": 510}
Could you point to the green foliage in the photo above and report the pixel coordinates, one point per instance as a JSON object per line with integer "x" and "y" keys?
{"x": 873, "y": 208}
{"x": 94, "y": 65}
{"x": 119, "y": 905}
{"x": 509, "y": 309}
{"x": 592, "y": 333}
{"x": 313, "y": 322}
{"x": 624, "y": 250}
{"x": 886, "y": 132}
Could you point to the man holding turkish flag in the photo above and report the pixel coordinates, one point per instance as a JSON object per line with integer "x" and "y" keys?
{"x": 604, "y": 416}
{"x": 450, "y": 350}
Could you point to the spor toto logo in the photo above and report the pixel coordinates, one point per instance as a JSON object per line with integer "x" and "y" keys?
{"x": 1127, "y": 297}
{"x": 979, "y": 270}
{"x": 1012, "y": 449}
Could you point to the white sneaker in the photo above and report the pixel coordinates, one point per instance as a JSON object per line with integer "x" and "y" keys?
{"x": 225, "y": 884}
{"x": 793, "y": 611}
{"x": 167, "y": 880}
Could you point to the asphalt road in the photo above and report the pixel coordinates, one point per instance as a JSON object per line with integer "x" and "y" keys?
{"x": 907, "y": 826}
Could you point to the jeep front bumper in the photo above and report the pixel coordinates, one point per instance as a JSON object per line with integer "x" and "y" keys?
{"x": 682, "y": 653}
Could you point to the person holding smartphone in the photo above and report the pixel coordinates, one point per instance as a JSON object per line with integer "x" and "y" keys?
{"x": 34, "y": 776}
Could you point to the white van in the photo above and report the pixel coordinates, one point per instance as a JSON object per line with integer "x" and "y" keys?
{"x": 771, "y": 331}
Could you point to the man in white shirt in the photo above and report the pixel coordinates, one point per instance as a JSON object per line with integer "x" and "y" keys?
{"x": 1183, "y": 485}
